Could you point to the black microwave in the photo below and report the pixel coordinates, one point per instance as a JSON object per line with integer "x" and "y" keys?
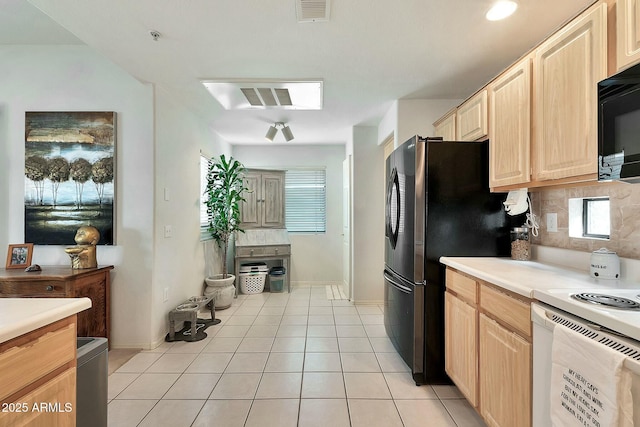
{"x": 619, "y": 126}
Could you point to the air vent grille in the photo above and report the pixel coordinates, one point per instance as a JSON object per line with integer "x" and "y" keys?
{"x": 312, "y": 10}
{"x": 602, "y": 337}
{"x": 266, "y": 97}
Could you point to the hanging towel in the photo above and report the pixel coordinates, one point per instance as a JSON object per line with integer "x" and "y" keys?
{"x": 589, "y": 384}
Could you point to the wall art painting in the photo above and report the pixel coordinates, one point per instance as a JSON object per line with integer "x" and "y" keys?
{"x": 69, "y": 175}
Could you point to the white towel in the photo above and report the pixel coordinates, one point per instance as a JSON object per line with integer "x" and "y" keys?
{"x": 589, "y": 384}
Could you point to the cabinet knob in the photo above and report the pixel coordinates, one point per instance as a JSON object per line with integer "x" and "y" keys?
{"x": 276, "y": 251}
{"x": 251, "y": 252}
{"x": 49, "y": 288}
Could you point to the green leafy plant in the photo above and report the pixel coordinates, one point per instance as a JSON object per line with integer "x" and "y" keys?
{"x": 224, "y": 190}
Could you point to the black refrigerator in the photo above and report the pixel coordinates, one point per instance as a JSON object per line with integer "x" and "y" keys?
{"x": 438, "y": 203}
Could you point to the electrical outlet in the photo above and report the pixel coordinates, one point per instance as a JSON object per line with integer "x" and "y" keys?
{"x": 165, "y": 296}
{"x": 552, "y": 222}
{"x": 168, "y": 231}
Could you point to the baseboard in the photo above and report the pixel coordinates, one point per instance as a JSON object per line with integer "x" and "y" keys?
{"x": 368, "y": 302}
{"x": 307, "y": 283}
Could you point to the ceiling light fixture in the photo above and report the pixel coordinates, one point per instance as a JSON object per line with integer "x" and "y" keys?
{"x": 501, "y": 9}
{"x": 271, "y": 133}
{"x": 273, "y": 130}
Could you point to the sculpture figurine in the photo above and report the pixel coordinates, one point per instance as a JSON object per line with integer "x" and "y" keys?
{"x": 84, "y": 254}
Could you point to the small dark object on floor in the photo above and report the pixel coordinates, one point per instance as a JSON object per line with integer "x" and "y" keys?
{"x": 185, "y": 333}
{"x": 34, "y": 267}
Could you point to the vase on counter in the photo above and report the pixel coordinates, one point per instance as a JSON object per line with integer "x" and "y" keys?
{"x": 222, "y": 290}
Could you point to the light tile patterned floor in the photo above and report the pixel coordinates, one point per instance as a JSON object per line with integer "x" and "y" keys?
{"x": 283, "y": 360}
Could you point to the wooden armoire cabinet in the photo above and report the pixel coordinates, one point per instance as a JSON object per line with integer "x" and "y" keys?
{"x": 264, "y": 205}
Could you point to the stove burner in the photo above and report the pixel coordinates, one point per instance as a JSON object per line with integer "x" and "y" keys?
{"x": 609, "y": 301}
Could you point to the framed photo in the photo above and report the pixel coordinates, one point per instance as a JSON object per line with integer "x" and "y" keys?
{"x": 19, "y": 256}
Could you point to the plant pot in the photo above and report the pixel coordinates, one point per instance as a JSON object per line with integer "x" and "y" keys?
{"x": 222, "y": 290}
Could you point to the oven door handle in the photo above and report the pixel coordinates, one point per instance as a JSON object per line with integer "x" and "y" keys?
{"x": 399, "y": 286}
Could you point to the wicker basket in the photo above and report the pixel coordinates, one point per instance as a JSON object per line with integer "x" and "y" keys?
{"x": 252, "y": 283}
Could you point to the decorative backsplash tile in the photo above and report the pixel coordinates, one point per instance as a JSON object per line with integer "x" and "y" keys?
{"x": 625, "y": 218}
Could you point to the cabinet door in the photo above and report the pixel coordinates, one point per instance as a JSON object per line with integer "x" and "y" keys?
{"x": 566, "y": 71}
{"x": 272, "y": 202}
{"x": 628, "y": 32}
{"x": 510, "y": 126}
{"x": 504, "y": 376}
{"x": 249, "y": 209}
{"x": 51, "y": 404}
{"x": 461, "y": 349}
{"x": 446, "y": 126}
{"x": 471, "y": 121}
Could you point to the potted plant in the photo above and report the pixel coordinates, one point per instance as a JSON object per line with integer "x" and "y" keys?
{"x": 224, "y": 193}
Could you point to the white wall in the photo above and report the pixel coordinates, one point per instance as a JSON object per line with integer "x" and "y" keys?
{"x": 409, "y": 117}
{"x": 416, "y": 116}
{"x": 368, "y": 216}
{"x": 315, "y": 258}
{"x": 63, "y": 78}
{"x": 179, "y": 261}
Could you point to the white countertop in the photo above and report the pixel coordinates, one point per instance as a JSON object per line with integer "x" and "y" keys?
{"x": 19, "y": 316}
{"x": 527, "y": 277}
{"x": 554, "y": 285}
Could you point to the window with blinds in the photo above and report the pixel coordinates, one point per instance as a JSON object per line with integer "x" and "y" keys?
{"x": 306, "y": 200}
{"x": 204, "y": 217}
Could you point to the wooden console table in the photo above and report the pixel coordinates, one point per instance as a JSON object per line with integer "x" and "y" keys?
{"x": 263, "y": 245}
{"x": 64, "y": 282}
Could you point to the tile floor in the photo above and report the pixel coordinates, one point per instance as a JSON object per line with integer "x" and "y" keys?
{"x": 282, "y": 360}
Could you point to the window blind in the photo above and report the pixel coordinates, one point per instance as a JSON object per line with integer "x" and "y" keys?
{"x": 204, "y": 217}
{"x": 305, "y": 200}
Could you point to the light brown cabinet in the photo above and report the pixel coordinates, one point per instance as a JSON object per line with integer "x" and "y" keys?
{"x": 505, "y": 375}
{"x": 566, "y": 70}
{"x": 461, "y": 345}
{"x": 627, "y": 32}
{"x": 488, "y": 349}
{"x": 40, "y": 367}
{"x": 471, "y": 118}
{"x": 510, "y": 126}
{"x": 264, "y": 200}
{"x": 64, "y": 282}
{"x": 446, "y": 126}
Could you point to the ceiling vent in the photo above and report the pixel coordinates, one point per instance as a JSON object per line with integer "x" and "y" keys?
{"x": 313, "y": 10}
{"x": 267, "y": 94}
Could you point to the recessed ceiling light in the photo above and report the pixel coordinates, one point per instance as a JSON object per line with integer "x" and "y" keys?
{"x": 501, "y": 9}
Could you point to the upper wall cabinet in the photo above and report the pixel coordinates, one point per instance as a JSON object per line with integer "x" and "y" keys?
{"x": 446, "y": 126}
{"x": 567, "y": 68}
{"x": 628, "y": 32}
{"x": 471, "y": 120}
{"x": 510, "y": 126}
{"x": 264, "y": 205}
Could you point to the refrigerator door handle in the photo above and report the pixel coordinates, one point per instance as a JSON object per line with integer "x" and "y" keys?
{"x": 399, "y": 286}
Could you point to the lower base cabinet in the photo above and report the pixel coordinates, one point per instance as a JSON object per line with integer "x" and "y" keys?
{"x": 488, "y": 350}
{"x": 504, "y": 375}
{"x": 461, "y": 320}
{"x": 38, "y": 377}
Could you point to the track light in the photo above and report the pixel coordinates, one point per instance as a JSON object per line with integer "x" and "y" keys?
{"x": 286, "y": 132}
{"x": 271, "y": 133}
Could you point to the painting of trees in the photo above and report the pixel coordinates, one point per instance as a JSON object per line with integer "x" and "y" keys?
{"x": 36, "y": 169}
{"x": 80, "y": 172}
{"x": 101, "y": 173}
{"x": 63, "y": 152}
{"x": 58, "y": 172}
